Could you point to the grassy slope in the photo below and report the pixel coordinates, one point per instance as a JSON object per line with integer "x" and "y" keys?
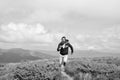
{"x": 18, "y": 55}
{"x": 106, "y": 68}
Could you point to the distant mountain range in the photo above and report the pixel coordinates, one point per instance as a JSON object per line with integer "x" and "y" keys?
{"x": 87, "y": 53}
{"x": 18, "y": 55}
{"x": 93, "y": 53}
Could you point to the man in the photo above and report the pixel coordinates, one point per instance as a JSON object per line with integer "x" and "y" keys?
{"x": 63, "y": 47}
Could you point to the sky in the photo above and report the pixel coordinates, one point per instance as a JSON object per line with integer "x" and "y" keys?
{"x": 40, "y": 24}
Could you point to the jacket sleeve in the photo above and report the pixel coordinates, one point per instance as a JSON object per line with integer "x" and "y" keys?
{"x": 58, "y": 48}
{"x": 71, "y": 47}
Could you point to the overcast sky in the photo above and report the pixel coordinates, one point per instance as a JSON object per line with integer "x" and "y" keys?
{"x": 39, "y": 24}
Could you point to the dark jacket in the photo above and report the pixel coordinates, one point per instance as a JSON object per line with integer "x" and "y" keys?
{"x": 64, "y": 50}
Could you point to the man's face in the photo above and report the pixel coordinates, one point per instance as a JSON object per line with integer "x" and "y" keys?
{"x": 63, "y": 39}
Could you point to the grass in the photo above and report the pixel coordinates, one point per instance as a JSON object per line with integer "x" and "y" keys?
{"x": 104, "y": 68}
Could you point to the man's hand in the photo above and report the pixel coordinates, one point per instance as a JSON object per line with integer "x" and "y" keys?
{"x": 71, "y": 53}
{"x": 58, "y": 50}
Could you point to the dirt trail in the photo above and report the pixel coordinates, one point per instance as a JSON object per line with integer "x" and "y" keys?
{"x": 66, "y": 76}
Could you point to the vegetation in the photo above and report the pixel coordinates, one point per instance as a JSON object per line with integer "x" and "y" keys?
{"x": 106, "y": 68}
{"x": 94, "y": 69}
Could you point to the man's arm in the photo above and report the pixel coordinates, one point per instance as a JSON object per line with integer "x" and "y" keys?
{"x": 71, "y": 47}
{"x": 58, "y": 48}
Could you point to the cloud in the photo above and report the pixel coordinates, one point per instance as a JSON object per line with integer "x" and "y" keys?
{"x": 108, "y": 39}
{"x": 44, "y": 16}
{"x": 25, "y": 33}
{"x": 68, "y": 16}
{"x": 47, "y": 10}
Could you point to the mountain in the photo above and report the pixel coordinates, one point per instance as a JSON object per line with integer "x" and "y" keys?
{"x": 18, "y": 54}
{"x": 94, "y": 53}
{"x": 86, "y": 53}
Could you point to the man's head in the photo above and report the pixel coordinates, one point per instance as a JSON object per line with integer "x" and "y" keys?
{"x": 63, "y": 39}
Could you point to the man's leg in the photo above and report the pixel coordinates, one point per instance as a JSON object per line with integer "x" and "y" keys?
{"x": 60, "y": 60}
{"x": 65, "y": 59}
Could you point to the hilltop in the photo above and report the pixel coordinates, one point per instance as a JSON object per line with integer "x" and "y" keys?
{"x": 19, "y": 54}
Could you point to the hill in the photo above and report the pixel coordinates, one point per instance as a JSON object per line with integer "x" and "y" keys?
{"x": 85, "y": 53}
{"x": 94, "y": 53}
{"x": 18, "y": 54}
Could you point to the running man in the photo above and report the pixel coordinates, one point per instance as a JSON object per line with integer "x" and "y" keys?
{"x": 63, "y": 47}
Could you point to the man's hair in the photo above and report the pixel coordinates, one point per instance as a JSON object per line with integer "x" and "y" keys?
{"x": 63, "y": 37}
{"x": 67, "y": 40}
